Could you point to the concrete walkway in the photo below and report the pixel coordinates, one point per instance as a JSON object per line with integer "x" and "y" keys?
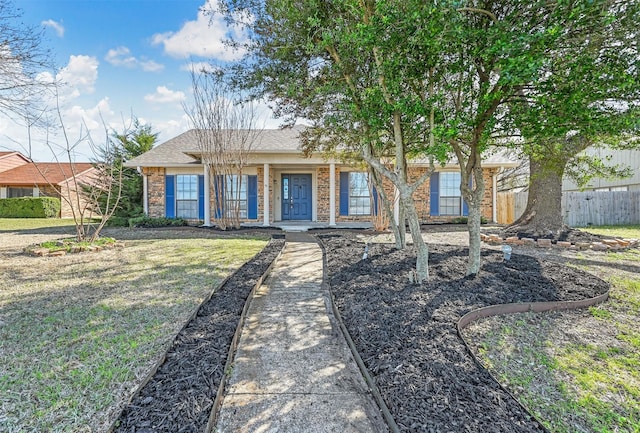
{"x": 293, "y": 371}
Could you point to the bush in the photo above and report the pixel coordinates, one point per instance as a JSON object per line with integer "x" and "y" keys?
{"x": 148, "y": 222}
{"x": 116, "y": 221}
{"x": 30, "y": 207}
{"x": 464, "y": 220}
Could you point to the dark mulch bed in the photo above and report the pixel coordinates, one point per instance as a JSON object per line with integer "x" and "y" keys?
{"x": 406, "y": 333}
{"x": 179, "y": 397}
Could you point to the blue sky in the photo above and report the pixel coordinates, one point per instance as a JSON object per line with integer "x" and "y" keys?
{"x": 122, "y": 57}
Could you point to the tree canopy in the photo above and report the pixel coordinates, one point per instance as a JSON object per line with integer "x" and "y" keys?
{"x": 391, "y": 80}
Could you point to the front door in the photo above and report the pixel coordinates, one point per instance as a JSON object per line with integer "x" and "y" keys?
{"x": 296, "y": 197}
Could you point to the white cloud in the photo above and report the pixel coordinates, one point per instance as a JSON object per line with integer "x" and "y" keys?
{"x": 121, "y": 56}
{"x": 80, "y": 74}
{"x": 203, "y": 37}
{"x": 164, "y": 95}
{"x": 56, "y": 26}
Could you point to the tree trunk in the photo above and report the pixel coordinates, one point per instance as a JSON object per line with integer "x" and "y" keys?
{"x": 543, "y": 214}
{"x": 473, "y": 196}
{"x": 422, "y": 250}
{"x": 400, "y": 226}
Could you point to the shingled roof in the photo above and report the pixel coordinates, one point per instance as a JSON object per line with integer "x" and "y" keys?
{"x": 46, "y": 173}
{"x": 177, "y": 151}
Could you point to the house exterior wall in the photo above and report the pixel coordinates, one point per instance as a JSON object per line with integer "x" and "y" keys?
{"x": 625, "y": 158}
{"x": 320, "y": 189}
{"x": 11, "y": 161}
{"x": 155, "y": 185}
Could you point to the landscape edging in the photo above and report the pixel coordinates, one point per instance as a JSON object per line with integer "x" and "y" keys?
{"x": 504, "y": 309}
{"x": 384, "y": 409}
{"x": 217, "y": 402}
{"x": 162, "y": 358}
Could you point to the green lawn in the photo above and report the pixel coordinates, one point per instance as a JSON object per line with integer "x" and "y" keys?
{"x": 78, "y": 332}
{"x": 625, "y": 232}
{"x": 578, "y": 372}
{"x": 13, "y": 224}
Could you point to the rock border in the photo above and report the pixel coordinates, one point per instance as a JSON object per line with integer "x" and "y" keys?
{"x": 70, "y": 248}
{"x": 614, "y": 244}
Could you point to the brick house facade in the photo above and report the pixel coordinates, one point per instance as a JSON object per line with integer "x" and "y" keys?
{"x": 279, "y": 184}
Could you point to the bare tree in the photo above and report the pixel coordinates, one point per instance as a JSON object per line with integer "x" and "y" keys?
{"x": 226, "y": 129}
{"x": 85, "y": 190}
{"x": 22, "y": 57}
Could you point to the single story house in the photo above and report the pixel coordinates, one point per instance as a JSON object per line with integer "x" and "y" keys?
{"x": 280, "y": 184}
{"x": 21, "y": 177}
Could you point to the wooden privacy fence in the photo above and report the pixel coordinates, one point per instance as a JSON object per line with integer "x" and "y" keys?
{"x": 580, "y": 209}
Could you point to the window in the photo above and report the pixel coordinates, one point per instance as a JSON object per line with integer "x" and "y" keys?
{"x": 235, "y": 195}
{"x": 359, "y": 194}
{"x": 187, "y": 196}
{"x": 450, "y": 196}
{"x": 16, "y": 192}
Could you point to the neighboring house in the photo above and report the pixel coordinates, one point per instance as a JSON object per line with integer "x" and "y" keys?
{"x": 625, "y": 158}
{"x": 280, "y": 184}
{"x": 20, "y": 177}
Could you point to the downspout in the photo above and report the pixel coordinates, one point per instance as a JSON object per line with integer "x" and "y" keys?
{"x": 145, "y": 198}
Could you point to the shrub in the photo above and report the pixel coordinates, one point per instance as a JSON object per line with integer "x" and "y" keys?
{"x": 464, "y": 220}
{"x": 30, "y": 207}
{"x": 148, "y": 222}
{"x": 116, "y": 221}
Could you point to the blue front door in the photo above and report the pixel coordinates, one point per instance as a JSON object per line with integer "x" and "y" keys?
{"x": 296, "y": 197}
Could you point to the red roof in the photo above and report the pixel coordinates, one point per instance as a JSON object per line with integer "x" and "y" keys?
{"x": 49, "y": 172}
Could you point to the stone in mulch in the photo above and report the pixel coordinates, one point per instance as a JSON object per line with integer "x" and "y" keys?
{"x": 179, "y": 396}
{"x": 406, "y": 333}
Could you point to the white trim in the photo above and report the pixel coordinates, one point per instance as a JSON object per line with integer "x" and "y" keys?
{"x": 36, "y": 191}
{"x": 3, "y": 192}
{"x": 207, "y": 197}
{"x": 332, "y": 195}
{"x": 494, "y": 195}
{"x": 265, "y": 195}
{"x": 145, "y": 194}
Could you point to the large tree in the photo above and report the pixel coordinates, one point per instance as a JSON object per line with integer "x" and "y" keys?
{"x": 339, "y": 64}
{"x": 588, "y": 95}
{"x": 414, "y": 78}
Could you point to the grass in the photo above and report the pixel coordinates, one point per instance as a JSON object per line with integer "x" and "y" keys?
{"x": 582, "y": 379}
{"x": 625, "y": 232}
{"x": 78, "y": 332}
{"x": 13, "y": 224}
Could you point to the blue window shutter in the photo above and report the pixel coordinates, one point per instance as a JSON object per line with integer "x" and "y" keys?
{"x": 465, "y": 206}
{"x": 344, "y": 193}
{"x": 375, "y": 201}
{"x": 434, "y": 196}
{"x": 201, "y": 197}
{"x": 170, "y": 196}
{"x": 252, "y": 197}
{"x": 219, "y": 195}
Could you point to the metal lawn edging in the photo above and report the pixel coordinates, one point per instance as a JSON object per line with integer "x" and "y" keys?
{"x": 524, "y": 307}
{"x": 384, "y": 409}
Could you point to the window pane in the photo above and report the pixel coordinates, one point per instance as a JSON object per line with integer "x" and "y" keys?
{"x": 450, "y": 206}
{"x": 236, "y": 195}
{"x": 450, "y": 184}
{"x": 187, "y": 196}
{"x": 187, "y": 187}
{"x": 13, "y": 192}
{"x": 359, "y": 194}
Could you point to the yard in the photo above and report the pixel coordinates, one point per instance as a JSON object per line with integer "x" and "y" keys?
{"x": 79, "y": 332}
{"x": 578, "y": 371}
